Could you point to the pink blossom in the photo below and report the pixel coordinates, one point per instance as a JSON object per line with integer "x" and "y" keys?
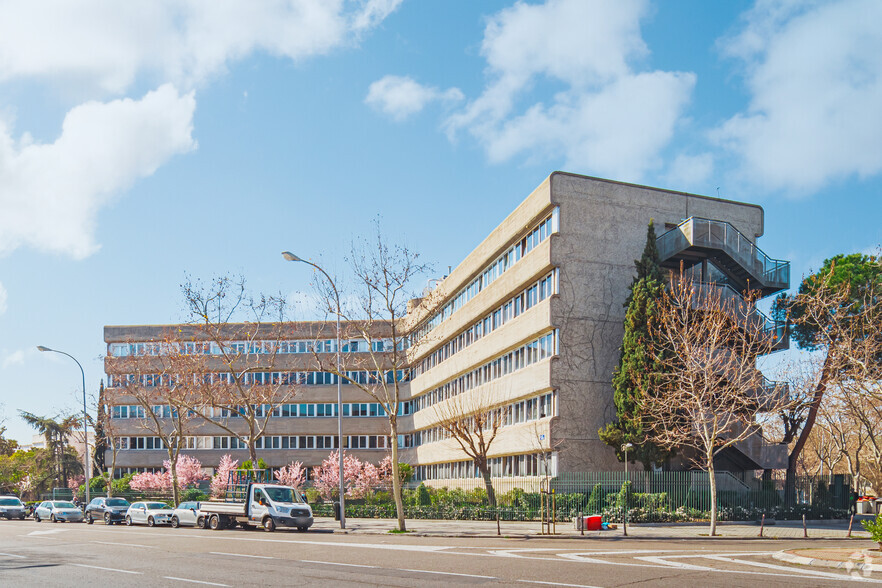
{"x": 74, "y": 482}
{"x": 359, "y": 478}
{"x": 221, "y": 476}
{"x": 151, "y": 481}
{"x": 293, "y": 474}
{"x": 188, "y": 469}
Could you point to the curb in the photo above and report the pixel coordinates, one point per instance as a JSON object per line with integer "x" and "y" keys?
{"x": 826, "y": 563}
{"x": 594, "y": 536}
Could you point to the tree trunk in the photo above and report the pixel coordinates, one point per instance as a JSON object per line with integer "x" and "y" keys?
{"x": 488, "y": 484}
{"x": 396, "y": 478}
{"x": 173, "y": 469}
{"x": 790, "y": 476}
{"x": 713, "y": 490}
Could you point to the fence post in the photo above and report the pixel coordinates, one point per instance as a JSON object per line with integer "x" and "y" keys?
{"x": 553, "y": 513}
{"x": 582, "y": 524}
{"x": 850, "y": 522}
{"x": 762, "y": 524}
{"x": 804, "y": 528}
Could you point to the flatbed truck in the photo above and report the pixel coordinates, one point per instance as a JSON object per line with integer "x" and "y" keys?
{"x": 251, "y": 503}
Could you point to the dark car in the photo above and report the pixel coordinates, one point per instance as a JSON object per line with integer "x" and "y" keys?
{"x": 110, "y": 510}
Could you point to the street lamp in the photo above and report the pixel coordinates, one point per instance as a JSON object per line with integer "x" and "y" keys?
{"x": 625, "y": 449}
{"x": 86, "y": 467}
{"x": 291, "y": 257}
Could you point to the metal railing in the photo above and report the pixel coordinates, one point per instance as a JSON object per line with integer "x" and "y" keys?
{"x": 715, "y": 234}
{"x": 652, "y": 497}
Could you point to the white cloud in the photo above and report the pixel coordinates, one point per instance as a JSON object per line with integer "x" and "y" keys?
{"x": 610, "y": 118}
{"x": 52, "y": 192}
{"x": 690, "y": 172}
{"x": 109, "y": 45}
{"x": 14, "y": 358}
{"x": 815, "y": 79}
{"x": 400, "y": 97}
{"x": 3, "y": 298}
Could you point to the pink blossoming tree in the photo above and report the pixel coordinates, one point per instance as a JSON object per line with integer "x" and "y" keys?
{"x": 293, "y": 474}
{"x": 222, "y": 474}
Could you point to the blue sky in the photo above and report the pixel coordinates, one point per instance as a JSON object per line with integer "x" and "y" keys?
{"x": 161, "y": 138}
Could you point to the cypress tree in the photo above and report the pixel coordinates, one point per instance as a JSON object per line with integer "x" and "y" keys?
{"x": 636, "y": 372}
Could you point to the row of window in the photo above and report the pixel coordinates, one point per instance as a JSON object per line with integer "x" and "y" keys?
{"x": 323, "y": 409}
{"x": 512, "y": 308}
{"x": 526, "y": 355}
{"x": 265, "y": 442}
{"x": 532, "y": 464}
{"x": 246, "y": 347}
{"x": 502, "y": 264}
{"x": 523, "y": 411}
{"x": 261, "y": 378}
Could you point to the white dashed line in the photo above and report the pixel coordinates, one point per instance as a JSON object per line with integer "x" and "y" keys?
{"x": 195, "y": 581}
{"x": 124, "y": 544}
{"x": 446, "y": 573}
{"x": 241, "y": 555}
{"x": 106, "y": 569}
{"x": 332, "y": 563}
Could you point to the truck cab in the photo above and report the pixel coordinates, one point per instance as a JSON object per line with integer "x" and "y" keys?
{"x": 278, "y": 506}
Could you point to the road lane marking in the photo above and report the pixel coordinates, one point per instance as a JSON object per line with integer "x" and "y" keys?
{"x": 123, "y": 544}
{"x": 557, "y": 584}
{"x": 818, "y": 573}
{"x": 445, "y": 573}
{"x": 673, "y": 564}
{"x": 333, "y": 563}
{"x": 106, "y": 569}
{"x": 49, "y": 532}
{"x": 241, "y": 555}
{"x": 195, "y": 581}
{"x": 14, "y": 555}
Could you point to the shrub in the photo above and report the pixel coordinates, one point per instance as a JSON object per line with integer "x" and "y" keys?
{"x": 193, "y": 494}
{"x": 875, "y": 529}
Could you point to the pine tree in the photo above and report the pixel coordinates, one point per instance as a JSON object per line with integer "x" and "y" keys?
{"x": 635, "y": 374}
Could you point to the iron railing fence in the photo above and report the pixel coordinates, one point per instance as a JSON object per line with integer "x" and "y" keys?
{"x": 652, "y": 497}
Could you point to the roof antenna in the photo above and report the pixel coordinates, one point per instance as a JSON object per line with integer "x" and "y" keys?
{"x": 718, "y": 191}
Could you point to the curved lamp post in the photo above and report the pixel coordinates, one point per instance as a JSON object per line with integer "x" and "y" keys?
{"x": 291, "y": 257}
{"x": 86, "y": 464}
{"x": 625, "y": 449}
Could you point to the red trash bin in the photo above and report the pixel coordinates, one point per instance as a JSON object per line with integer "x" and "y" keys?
{"x": 594, "y": 522}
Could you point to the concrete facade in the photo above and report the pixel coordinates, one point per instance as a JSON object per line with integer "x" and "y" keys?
{"x": 556, "y": 353}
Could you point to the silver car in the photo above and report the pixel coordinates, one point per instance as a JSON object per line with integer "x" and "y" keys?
{"x": 11, "y": 508}
{"x": 187, "y": 514}
{"x": 58, "y": 511}
{"x": 149, "y": 513}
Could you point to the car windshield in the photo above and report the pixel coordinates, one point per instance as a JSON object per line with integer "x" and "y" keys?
{"x": 282, "y": 495}
{"x": 65, "y": 505}
{"x": 117, "y": 502}
{"x": 10, "y": 502}
{"x": 157, "y": 505}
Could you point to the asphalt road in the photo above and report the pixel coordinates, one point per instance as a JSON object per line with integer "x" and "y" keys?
{"x": 68, "y": 554}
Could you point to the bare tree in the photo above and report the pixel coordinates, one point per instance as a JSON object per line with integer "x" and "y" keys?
{"x": 231, "y": 369}
{"x": 154, "y": 382}
{"x": 712, "y": 392}
{"x": 382, "y": 278}
{"x": 473, "y": 422}
{"x": 846, "y": 435}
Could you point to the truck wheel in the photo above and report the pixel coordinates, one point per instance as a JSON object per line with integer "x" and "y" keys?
{"x": 214, "y": 522}
{"x": 269, "y": 525}
{"x": 200, "y": 522}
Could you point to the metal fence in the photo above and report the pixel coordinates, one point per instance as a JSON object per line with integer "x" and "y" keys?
{"x": 649, "y": 496}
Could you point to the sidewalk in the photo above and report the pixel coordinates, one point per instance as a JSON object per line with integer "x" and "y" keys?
{"x": 844, "y": 558}
{"x": 826, "y": 529}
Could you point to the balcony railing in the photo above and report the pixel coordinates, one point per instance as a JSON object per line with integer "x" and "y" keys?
{"x": 715, "y": 234}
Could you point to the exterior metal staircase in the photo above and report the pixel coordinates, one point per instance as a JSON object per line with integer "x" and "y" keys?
{"x": 696, "y": 239}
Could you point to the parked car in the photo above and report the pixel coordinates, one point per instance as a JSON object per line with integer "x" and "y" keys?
{"x": 12, "y": 508}
{"x": 149, "y": 513}
{"x": 111, "y": 510}
{"x": 188, "y": 514}
{"x": 58, "y": 511}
